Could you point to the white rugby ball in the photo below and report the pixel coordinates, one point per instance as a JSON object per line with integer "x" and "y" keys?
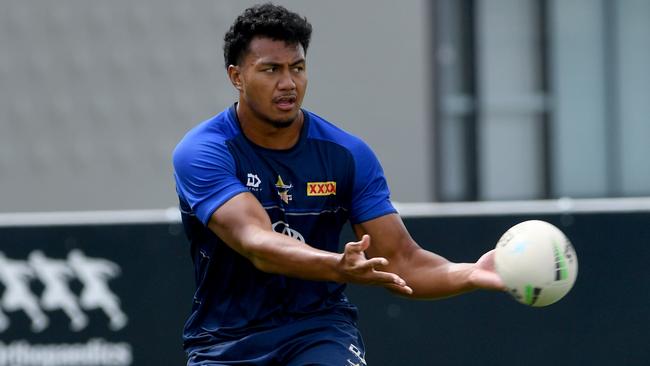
{"x": 536, "y": 262}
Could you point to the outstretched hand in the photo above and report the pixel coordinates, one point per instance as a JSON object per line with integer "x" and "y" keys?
{"x": 484, "y": 274}
{"x": 356, "y": 268}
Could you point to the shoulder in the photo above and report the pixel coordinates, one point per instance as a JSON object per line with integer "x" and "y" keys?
{"x": 322, "y": 129}
{"x": 208, "y": 138}
{"x": 370, "y": 193}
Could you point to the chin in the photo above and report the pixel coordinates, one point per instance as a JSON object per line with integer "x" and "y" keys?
{"x": 283, "y": 122}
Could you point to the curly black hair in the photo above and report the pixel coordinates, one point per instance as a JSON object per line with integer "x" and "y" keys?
{"x": 267, "y": 20}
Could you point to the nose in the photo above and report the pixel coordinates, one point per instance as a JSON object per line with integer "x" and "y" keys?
{"x": 286, "y": 81}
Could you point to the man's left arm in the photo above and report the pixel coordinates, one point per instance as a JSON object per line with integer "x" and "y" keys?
{"x": 430, "y": 275}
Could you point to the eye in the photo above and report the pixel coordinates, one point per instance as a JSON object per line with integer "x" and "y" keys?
{"x": 270, "y": 69}
{"x": 298, "y": 68}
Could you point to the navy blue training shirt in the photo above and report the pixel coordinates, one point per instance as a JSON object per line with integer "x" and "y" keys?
{"x": 309, "y": 192}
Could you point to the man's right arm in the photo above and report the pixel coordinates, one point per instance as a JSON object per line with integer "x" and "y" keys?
{"x": 242, "y": 223}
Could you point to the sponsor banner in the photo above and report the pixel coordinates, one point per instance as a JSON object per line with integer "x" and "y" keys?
{"x": 94, "y": 352}
{"x": 104, "y": 295}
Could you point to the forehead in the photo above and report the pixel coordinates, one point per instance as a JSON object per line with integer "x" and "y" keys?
{"x": 264, "y": 50}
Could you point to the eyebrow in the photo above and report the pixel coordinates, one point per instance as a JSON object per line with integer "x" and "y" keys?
{"x": 271, "y": 63}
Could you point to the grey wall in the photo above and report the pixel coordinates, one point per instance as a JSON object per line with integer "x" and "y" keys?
{"x": 94, "y": 95}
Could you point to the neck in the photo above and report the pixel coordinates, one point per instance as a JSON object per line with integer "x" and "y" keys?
{"x": 263, "y": 133}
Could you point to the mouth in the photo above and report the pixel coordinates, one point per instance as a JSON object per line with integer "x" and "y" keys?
{"x": 285, "y": 102}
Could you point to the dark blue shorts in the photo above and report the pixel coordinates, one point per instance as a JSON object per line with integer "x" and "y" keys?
{"x": 315, "y": 341}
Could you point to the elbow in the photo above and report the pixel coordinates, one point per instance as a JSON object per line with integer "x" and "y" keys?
{"x": 261, "y": 263}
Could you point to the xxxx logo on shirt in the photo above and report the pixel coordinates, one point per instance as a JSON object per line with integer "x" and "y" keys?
{"x": 321, "y": 188}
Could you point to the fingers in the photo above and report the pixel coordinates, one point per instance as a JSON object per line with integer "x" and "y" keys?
{"x": 402, "y": 290}
{"x": 362, "y": 270}
{"x": 392, "y": 282}
{"x": 358, "y": 246}
{"x": 368, "y": 268}
{"x": 366, "y": 271}
{"x": 387, "y": 278}
{"x": 487, "y": 260}
{"x": 488, "y": 280}
{"x": 375, "y": 262}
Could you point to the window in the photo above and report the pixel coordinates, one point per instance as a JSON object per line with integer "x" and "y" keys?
{"x": 532, "y": 104}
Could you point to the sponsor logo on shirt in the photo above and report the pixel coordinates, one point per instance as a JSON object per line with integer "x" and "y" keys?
{"x": 321, "y": 188}
{"x": 359, "y": 358}
{"x": 253, "y": 182}
{"x": 283, "y": 228}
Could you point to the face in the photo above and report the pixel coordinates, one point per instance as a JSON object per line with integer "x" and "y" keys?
{"x": 271, "y": 80}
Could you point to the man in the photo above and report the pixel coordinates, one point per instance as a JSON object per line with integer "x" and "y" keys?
{"x": 265, "y": 188}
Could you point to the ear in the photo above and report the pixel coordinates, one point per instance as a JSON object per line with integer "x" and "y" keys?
{"x": 234, "y": 74}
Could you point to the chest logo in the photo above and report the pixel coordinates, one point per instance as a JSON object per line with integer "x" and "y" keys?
{"x": 283, "y": 190}
{"x": 253, "y": 181}
{"x": 321, "y": 188}
{"x": 283, "y": 228}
